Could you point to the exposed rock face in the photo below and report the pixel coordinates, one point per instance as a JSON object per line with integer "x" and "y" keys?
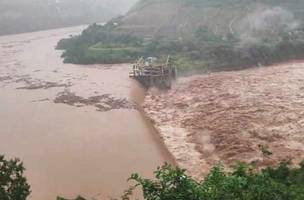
{"x": 226, "y": 116}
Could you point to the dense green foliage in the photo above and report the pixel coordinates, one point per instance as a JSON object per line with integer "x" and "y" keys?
{"x": 230, "y": 51}
{"x": 230, "y": 40}
{"x": 13, "y": 184}
{"x": 245, "y": 182}
{"x": 203, "y": 51}
{"x": 100, "y": 44}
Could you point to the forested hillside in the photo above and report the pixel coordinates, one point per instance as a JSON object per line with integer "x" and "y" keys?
{"x": 200, "y": 34}
{"x": 17, "y": 16}
{"x": 171, "y": 17}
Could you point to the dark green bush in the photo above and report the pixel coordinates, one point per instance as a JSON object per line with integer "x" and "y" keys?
{"x": 244, "y": 182}
{"x": 13, "y": 184}
{"x": 203, "y": 51}
{"x": 82, "y": 49}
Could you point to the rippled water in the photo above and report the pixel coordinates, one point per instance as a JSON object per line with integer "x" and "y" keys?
{"x": 70, "y": 149}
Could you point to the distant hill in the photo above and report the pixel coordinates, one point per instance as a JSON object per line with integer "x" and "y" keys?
{"x": 204, "y": 35}
{"x": 17, "y": 16}
{"x": 179, "y": 17}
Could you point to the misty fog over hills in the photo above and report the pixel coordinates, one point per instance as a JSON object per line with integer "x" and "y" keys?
{"x": 17, "y": 16}
{"x": 181, "y": 17}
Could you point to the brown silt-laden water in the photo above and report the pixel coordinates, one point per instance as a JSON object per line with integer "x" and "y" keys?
{"x": 76, "y": 128}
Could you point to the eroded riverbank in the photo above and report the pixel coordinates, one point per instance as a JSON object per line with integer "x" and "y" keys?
{"x": 225, "y": 117}
{"x": 76, "y": 128}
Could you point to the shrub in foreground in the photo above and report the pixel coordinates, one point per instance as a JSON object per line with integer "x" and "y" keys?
{"x": 13, "y": 184}
{"x": 244, "y": 182}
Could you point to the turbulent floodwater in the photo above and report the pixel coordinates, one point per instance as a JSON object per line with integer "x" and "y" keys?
{"x": 75, "y": 127}
{"x": 226, "y": 116}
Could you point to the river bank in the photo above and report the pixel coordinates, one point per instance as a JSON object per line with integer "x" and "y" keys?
{"x": 224, "y": 117}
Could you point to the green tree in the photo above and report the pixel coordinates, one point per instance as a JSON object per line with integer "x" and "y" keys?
{"x": 244, "y": 182}
{"x": 13, "y": 184}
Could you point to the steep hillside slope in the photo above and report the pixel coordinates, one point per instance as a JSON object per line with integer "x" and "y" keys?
{"x": 204, "y": 35}
{"x": 172, "y": 17}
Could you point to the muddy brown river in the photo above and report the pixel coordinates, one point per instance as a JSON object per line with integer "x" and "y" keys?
{"x": 76, "y": 128}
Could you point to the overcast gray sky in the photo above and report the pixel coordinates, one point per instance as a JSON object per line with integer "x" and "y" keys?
{"x": 29, "y": 15}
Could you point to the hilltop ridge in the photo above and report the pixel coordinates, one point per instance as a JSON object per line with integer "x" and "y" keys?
{"x": 181, "y": 17}
{"x": 201, "y": 35}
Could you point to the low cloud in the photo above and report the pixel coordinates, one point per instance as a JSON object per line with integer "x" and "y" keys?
{"x": 266, "y": 24}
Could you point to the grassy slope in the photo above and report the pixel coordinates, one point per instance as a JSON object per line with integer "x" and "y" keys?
{"x": 100, "y": 51}
{"x": 196, "y": 48}
{"x": 169, "y": 17}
